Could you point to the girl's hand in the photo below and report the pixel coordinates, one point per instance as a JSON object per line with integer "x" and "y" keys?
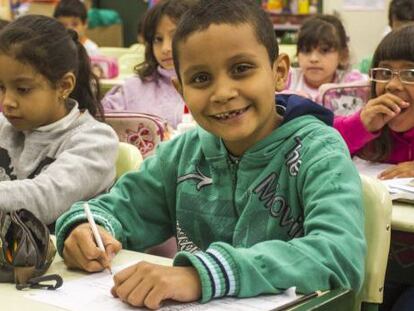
{"x": 401, "y": 170}
{"x": 80, "y": 250}
{"x": 380, "y": 110}
{"x": 147, "y": 284}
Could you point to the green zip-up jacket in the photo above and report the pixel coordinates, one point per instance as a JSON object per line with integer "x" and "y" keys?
{"x": 287, "y": 213}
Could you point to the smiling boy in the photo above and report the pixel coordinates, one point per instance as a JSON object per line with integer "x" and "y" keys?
{"x": 261, "y": 197}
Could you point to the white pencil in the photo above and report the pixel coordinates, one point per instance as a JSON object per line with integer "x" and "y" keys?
{"x": 95, "y": 231}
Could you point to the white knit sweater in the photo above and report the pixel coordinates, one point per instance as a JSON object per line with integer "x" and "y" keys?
{"x": 47, "y": 169}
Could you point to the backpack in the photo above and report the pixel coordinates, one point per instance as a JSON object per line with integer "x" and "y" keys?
{"x": 27, "y": 251}
{"x": 104, "y": 67}
{"x": 145, "y": 131}
{"x": 345, "y": 98}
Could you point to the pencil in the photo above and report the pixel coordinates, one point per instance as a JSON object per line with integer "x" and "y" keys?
{"x": 95, "y": 231}
{"x": 298, "y": 301}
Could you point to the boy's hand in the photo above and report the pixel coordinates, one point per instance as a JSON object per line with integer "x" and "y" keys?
{"x": 80, "y": 250}
{"x": 146, "y": 284}
{"x": 401, "y": 170}
{"x": 380, "y": 110}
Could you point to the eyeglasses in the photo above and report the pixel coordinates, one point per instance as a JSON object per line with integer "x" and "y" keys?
{"x": 385, "y": 75}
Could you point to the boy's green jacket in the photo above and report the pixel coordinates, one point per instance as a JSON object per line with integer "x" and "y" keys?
{"x": 287, "y": 213}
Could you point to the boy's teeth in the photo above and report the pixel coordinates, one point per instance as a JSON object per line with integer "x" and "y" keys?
{"x": 228, "y": 115}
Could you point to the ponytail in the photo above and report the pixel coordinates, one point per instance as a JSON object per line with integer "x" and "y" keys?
{"x": 86, "y": 91}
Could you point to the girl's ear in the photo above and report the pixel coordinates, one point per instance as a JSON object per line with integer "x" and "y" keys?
{"x": 281, "y": 71}
{"x": 66, "y": 85}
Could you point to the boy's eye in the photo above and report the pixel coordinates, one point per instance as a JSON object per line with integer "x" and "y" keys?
{"x": 241, "y": 68}
{"x": 200, "y": 78}
{"x": 23, "y": 90}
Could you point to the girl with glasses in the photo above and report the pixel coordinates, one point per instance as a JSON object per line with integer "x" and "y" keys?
{"x": 383, "y": 130}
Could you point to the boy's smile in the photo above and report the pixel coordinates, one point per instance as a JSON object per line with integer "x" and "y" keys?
{"x": 229, "y": 84}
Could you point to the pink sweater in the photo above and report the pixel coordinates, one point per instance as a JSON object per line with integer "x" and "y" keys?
{"x": 356, "y": 137}
{"x": 157, "y": 97}
{"x": 296, "y": 82}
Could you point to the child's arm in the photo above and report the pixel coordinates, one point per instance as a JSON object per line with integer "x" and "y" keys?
{"x": 138, "y": 211}
{"x": 353, "y": 131}
{"x": 146, "y": 284}
{"x": 363, "y": 126}
{"x": 401, "y": 170}
{"x": 380, "y": 110}
{"x": 82, "y": 252}
{"x": 83, "y": 169}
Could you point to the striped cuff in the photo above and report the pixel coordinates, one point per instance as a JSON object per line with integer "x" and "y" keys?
{"x": 216, "y": 269}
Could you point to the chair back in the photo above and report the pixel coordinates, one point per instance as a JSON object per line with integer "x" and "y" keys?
{"x": 127, "y": 63}
{"x": 129, "y": 158}
{"x": 378, "y": 207}
{"x": 345, "y": 98}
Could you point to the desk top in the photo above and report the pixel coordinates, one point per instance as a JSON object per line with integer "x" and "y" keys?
{"x": 15, "y": 300}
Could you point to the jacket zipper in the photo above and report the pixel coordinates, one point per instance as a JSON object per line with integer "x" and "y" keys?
{"x": 234, "y": 165}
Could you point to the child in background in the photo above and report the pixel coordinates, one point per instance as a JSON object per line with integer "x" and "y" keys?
{"x": 52, "y": 150}
{"x": 151, "y": 91}
{"x": 400, "y": 13}
{"x": 323, "y": 57}
{"x": 383, "y": 131}
{"x": 73, "y": 15}
{"x": 262, "y": 196}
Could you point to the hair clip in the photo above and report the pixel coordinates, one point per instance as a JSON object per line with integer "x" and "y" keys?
{"x": 36, "y": 282}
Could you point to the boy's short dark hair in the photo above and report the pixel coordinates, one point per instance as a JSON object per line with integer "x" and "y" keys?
{"x": 231, "y": 12}
{"x": 401, "y": 10}
{"x": 74, "y": 8}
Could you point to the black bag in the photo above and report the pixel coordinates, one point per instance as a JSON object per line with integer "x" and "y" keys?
{"x": 27, "y": 251}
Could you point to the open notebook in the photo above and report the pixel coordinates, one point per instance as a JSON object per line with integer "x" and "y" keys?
{"x": 401, "y": 189}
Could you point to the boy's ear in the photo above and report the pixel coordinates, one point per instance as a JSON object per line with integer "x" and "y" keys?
{"x": 178, "y": 86}
{"x": 66, "y": 84}
{"x": 281, "y": 71}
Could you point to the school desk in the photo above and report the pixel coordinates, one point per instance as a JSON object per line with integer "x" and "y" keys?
{"x": 14, "y": 300}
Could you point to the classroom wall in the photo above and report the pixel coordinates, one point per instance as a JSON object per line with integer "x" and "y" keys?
{"x": 365, "y": 28}
{"x": 130, "y": 12}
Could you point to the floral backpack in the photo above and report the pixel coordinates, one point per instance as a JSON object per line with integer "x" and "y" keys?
{"x": 145, "y": 131}
{"x": 344, "y": 98}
